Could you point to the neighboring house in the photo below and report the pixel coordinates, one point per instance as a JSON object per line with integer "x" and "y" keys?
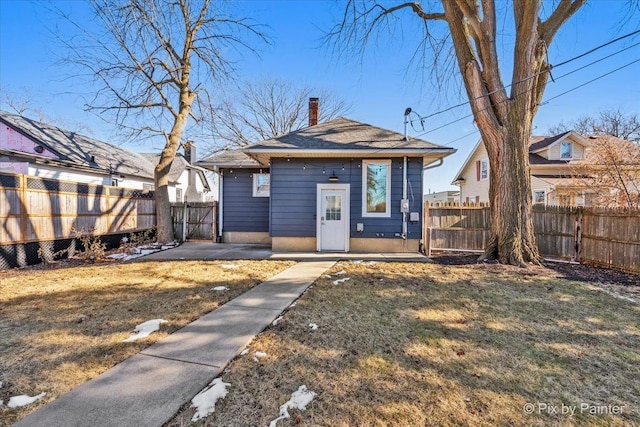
{"x": 442, "y": 197}
{"x": 37, "y": 149}
{"x": 337, "y": 186}
{"x": 552, "y": 160}
{"x": 189, "y": 182}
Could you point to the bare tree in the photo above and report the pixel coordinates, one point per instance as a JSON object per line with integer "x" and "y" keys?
{"x": 503, "y": 117}
{"x": 611, "y": 171}
{"x": 268, "y": 109}
{"x": 614, "y": 122}
{"x": 152, "y": 61}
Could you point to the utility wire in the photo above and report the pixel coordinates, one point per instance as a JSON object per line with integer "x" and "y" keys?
{"x": 590, "y": 81}
{"x": 543, "y": 103}
{"x": 598, "y": 47}
{"x": 422, "y": 118}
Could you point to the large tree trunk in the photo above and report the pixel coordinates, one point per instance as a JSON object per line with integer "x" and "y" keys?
{"x": 511, "y": 239}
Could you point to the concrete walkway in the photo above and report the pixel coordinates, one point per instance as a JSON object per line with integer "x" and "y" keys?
{"x": 149, "y": 388}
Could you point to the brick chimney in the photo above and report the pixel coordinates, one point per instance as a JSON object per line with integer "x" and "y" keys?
{"x": 313, "y": 111}
{"x": 190, "y": 151}
{"x": 191, "y": 194}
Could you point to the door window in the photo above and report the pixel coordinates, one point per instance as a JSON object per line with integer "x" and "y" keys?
{"x": 332, "y": 208}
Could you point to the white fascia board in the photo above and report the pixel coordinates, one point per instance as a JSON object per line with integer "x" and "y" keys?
{"x": 466, "y": 162}
{"x": 379, "y": 152}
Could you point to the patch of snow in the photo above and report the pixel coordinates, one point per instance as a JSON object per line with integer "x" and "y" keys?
{"x": 340, "y": 273}
{"x": 245, "y": 352}
{"x": 299, "y": 400}
{"x": 275, "y": 322}
{"x": 116, "y": 256}
{"x": 0, "y": 384}
{"x": 181, "y": 257}
{"x": 313, "y": 326}
{"x": 357, "y": 261}
{"x": 337, "y": 282}
{"x": 205, "y": 401}
{"x": 255, "y": 359}
{"x": 293, "y": 304}
{"x": 229, "y": 266}
{"x": 372, "y": 263}
{"x": 23, "y": 400}
{"x": 145, "y": 329}
{"x": 220, "y": 288}
{"x": 327, "y": 276}
{"x": 260, "y": 354}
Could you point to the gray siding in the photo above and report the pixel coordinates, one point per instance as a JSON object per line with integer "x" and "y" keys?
{"x": 241, "y": 211}
{"x": 293, "y": 196}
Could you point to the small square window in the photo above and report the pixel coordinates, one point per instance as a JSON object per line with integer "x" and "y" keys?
{"x": 538, "y": 197}
{"x": 178, "y": 195}
{"x": 261, "y": 182}
{"x": 566, "y": 150}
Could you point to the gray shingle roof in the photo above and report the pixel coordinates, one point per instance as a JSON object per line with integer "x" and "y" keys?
{"x": 229, "y": 157}
{"x": 78, "y": 149}
{"x": 340, "y": 134}
{"x": 177, "y": 167}
{"x": 535, "y": 143}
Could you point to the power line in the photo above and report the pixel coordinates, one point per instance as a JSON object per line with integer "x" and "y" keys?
{"x": 422, "y": 118}
{"x": 543, "y": 103}
{"x": 598, "y": 47}
{"x": 591, "y": 81}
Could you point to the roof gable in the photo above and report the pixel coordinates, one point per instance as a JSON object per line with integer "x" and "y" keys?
{"x": 537, "y": 146}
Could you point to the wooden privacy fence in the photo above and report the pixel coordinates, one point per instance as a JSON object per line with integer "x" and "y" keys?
{"x": 608, "y": 237}
{"x": 34, "y": 209}
{"x": 195, "y": 220}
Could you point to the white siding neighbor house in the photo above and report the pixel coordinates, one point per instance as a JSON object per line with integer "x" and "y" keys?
{"x": 552, "y": 160}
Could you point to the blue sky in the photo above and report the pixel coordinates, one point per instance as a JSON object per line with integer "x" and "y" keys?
{"x": 378, "y": 85}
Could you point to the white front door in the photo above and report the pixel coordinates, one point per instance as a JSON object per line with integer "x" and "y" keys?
{"x": 333, "y": 217}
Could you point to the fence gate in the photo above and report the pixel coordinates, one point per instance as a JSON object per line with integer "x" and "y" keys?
{"x": 194, "y": 220}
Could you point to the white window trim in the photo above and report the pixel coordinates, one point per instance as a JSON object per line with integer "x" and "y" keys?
{"x": 544, "y": 197}
{"x": 346, "y": 212}
{"x": 387, "y": 213}
{"x": 570, "y": 152}
{"x": 484, "y": 162}
{"x": 255, "y": 185}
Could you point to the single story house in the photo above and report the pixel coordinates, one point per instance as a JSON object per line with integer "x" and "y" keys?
{"x": 38, "y": 149}
{"x": 339, "y": 186}
{"x": 552, "y": 160}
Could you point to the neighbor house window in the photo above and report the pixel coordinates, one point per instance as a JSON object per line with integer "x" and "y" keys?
{"x": 565, "y": 150}
{"x": 114, "y": 182}
{"x": 538, "y": 197}
{"x": 147, "y": 187}
{"x": 484, "y": 169}
{"x": 178, "y": 195}
{"x": 260, "y": 185}
{"x": 376, "y": 194}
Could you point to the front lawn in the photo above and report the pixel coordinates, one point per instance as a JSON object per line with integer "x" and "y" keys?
{"x": 428, "y": 344}
{"x": 63, "y": 326}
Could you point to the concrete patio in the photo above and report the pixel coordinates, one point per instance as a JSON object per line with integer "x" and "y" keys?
{"x": 234, "y": 251}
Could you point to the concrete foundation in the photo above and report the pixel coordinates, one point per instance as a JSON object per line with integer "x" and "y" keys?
{"x": 262, "y": 238}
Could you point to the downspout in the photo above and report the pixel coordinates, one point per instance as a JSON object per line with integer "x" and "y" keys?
{"x": 404, "y": 196}
{"x": 220, "y": 201}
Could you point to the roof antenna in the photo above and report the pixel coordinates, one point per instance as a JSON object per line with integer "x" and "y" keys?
{"x": 406, "y": 121}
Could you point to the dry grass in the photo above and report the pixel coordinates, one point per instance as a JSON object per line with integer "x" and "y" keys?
{"x": 61, "y": 327}
{"x": 420, "y": 344}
